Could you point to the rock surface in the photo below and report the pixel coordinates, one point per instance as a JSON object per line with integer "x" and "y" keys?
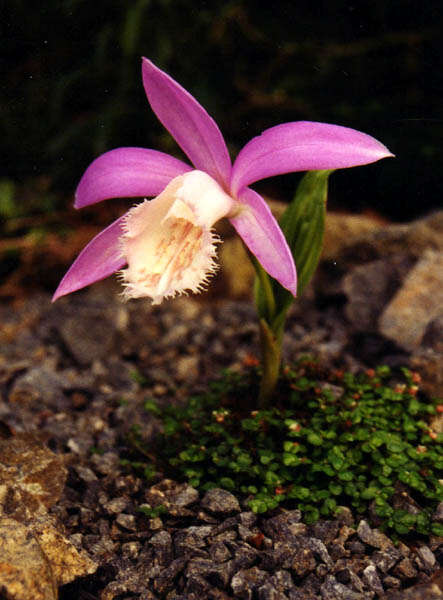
{"x": 32, "y": 477}
{"x": 35, "y": 556}
{"x": 417, "y": 303}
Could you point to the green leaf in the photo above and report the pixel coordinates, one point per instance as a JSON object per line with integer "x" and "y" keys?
{"x": 405, "y": 518}
{"x": 335, "y": 488}
{"x": 328, "y": 506}
{"x": 369, "y": 493}
{"x": 311, "y": 514}
{"x": 290, "y": 460}
{"x": 258, "y": 506}
{"x": 303, "y": 225}
{"x": 266, "y": 457}
{"x": 299, "y": 492}
{"x": 395, "y": 446}
{"x": 401, "y": 529}
{"x": 227, "y": 483}
{"x": 272, "y": 478}
{"x": 314, "y": 439}
{"x": 336, "y": 458}
{"x": 263, "y": 292}
{"x": 376, "y": 440}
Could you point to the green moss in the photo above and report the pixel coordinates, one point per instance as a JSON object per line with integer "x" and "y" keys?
{"x": 330, "y": 439}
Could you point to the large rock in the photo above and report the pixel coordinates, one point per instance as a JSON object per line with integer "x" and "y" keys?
{"x": 35, "y": 555}
{"x": 418, "y": 302}
{"x": 370, "y": 287}
{"x": 355, "y": 240}
{"x": 37, "y": 558}
{"x": 32, "y": 477}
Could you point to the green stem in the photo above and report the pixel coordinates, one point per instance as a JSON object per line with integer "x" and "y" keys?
{"x": 271, "y": 334}
{"x": 270, "y": 342}
{"x": 266, "y": 305}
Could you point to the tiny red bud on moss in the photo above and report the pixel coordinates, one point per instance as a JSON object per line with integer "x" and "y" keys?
{"x": 294, "y": 427}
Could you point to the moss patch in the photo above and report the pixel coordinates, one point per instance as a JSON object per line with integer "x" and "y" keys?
{"x": 331, "y": 439}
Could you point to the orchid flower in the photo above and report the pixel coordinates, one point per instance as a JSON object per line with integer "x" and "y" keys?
{"x": 167, "y": 244}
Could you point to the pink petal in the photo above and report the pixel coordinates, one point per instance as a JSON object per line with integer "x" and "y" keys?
{"x": 126, "y": 173}
{"x": 303, "y": 146}
{"x": 188, "y": 122}
{"x": 99, "y": 259}
{"x": 264, "y": 238}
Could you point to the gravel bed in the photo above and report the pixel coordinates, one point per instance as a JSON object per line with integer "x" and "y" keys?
{"x": 79, "y": 372}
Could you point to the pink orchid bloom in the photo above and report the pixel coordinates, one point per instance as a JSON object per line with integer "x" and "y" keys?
{"x": 167, "y": 244}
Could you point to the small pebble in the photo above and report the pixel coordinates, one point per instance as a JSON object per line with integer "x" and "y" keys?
{"x": 372, "y": 580}
{"x": 155, "y": 524}
{"x": 126, "y": 521}
{"x": 116, "y": 505}
{"x": 218, "y": 501}
{"x": 85, "y": 473}
{"x": 391, "y": 582}
{"x": 131, "y": 549}
{"x": 425, "y": 558}
{"x": 438, "y": 514}
{"x": 372, "y": 537}
{"x": 405, "y": 569}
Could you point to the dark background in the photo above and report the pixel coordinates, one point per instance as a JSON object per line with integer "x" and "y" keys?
{"x": 71, "y": 89}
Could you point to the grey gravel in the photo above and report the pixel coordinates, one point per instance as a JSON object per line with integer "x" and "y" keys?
{"x": 425, "y": 558}
{"x": 202, "y": 545}
{"x": 372, "y": 580}
{"x": 438, "y": 514}
{"x": 405, "y": 569}
{"x": 116, "y": 505}
{"x": 373, "y": 537}
{"x": 384, "y": 560}
{"x": 334, "y": 590}
{"x": 391, "y": 582}
{"x": 222, "y": 502}
{"x": 246, "y": 581}
{"x": 126, "y": 521}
